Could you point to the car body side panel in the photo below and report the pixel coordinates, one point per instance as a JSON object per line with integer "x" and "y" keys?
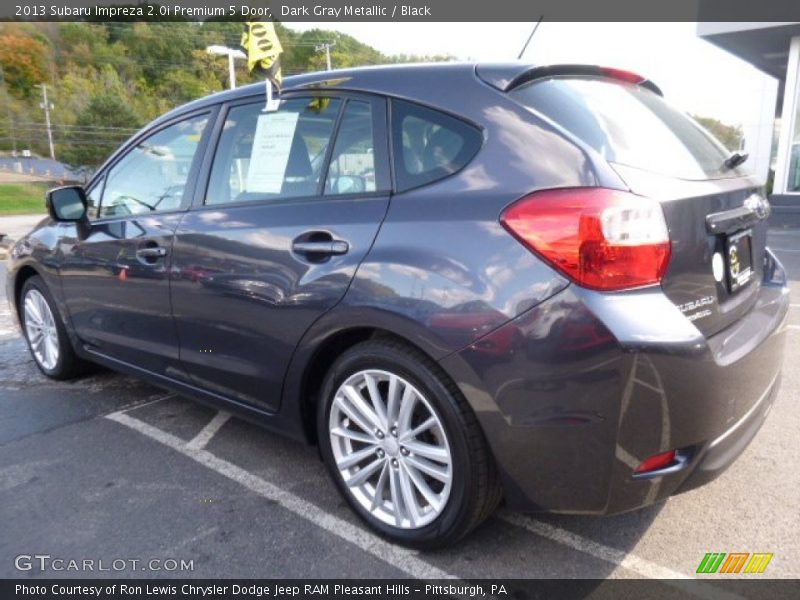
{"x": 427, "y": 267}
{"x": 242, "y": 299}
{"x": 119, "y": 304}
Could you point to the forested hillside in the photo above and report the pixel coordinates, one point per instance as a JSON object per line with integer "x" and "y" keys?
{"x": 105, "y": 80}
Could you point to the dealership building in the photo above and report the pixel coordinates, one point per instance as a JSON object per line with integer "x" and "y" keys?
{"x": 775, "y": 49}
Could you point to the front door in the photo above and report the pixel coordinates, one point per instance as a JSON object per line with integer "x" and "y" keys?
{"x": 115, "y": 271}
{"x": 294, "y": 201}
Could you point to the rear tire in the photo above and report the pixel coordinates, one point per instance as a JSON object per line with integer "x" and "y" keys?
{"x": 45, "y": 333}
{"x": 446, "y": 464}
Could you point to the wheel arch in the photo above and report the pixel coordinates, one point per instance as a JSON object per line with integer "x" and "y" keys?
{"x": 22, "y": 275}
{"x": 327, "y": 340}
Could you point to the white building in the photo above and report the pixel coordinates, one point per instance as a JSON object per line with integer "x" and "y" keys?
{"x": 775, "y": 49}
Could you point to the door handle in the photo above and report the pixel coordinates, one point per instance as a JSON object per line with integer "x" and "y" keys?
{"x": 326, "y": 248}
{"x": 151, "y": 254}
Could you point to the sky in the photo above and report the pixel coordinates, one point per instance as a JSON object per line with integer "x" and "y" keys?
{"x": 694, "y": 74}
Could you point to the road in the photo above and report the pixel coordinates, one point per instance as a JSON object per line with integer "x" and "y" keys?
{"x": 15, "y": 226}
{"x": 111, "y": 468}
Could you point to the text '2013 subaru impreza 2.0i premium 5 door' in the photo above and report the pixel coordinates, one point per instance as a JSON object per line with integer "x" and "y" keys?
{"x": 465, "y": 283}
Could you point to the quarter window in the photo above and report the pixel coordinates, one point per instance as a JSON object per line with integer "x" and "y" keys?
{"x": 429, "y": 145}
{"x": 152, "y": 177}
{"x": 352, "y": 167}
{"x": 278, "y": 154}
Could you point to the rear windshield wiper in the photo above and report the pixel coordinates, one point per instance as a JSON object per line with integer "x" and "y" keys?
{"x": 735, "y": 159}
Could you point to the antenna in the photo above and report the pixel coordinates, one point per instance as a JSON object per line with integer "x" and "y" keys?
{"x": 530, "y": 37}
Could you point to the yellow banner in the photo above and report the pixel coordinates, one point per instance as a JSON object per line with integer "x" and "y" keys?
{"x": 263, "y": 48}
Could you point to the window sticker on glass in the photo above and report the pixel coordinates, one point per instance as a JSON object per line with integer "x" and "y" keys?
{"x": 272, "y": 144}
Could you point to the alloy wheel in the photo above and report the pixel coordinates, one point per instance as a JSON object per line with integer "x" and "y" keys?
{"x": 390, "y": 448}
{"x": 40, "y": 327}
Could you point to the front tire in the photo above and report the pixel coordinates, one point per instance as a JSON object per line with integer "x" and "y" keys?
{"x": 45, "y": 332}
{"x": 403, "y": 445}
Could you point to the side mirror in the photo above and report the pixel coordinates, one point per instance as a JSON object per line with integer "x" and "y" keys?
{"x": 349, "y": 184}
{"x": 67, "y": 203}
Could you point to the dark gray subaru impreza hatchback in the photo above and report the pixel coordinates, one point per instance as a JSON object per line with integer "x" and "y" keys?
{"x": 465, "y": 283}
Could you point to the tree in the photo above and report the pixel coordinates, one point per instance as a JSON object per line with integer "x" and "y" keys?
{"x": 102, "y": 125}
{"x": 729, "y": 135}
{"x": 24, "y": 61}
{"x": 107, "y": 74}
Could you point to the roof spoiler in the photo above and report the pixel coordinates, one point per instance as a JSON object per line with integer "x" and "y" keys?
{"x": 507, "y": 77}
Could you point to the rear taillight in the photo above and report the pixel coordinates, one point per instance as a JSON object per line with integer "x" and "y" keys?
{"x": 600, "y": 238}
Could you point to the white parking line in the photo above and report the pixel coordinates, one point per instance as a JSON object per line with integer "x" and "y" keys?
{"x": 623, "y": 559}
{"x": 587, "y": 546}
{"x": 134, "y": 405}
{"x": 396, "y": 556}
{"x": 402, "y": 558}
{"x": 201, "y": 440}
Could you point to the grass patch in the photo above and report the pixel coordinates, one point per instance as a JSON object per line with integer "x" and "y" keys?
{"x": 22, "y": 198}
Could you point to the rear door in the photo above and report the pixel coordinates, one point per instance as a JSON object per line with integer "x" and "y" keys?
{"x": 716, "y": 215}
{"x": 294, "y": 201}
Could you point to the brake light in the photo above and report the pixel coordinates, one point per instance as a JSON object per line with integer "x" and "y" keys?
{"x": 600, "y": 238}
{"x": 622, "y": 75}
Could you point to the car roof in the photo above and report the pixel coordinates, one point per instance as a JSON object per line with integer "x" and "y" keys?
{"x": 391, "y": 79}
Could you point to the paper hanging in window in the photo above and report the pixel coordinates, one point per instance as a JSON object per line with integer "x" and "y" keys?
{"x": 272, "y": 144}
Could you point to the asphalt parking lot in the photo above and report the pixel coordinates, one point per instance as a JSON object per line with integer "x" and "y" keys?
{"x": 111, "y": 468}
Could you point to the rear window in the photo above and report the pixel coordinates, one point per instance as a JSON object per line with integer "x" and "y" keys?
{"x": 627, "y": 124}
{"x": 429, "y": 145}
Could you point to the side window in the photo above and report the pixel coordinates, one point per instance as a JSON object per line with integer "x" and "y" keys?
{"x": 152, "y": 176}
{"x": 429, "y": 145}
{"x": 352, "y": 166}
{"x": 272, "y": 155}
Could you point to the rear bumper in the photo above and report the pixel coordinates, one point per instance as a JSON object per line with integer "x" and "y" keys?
{"x": 713, "y": 458}
{"x": 599, "y": 382}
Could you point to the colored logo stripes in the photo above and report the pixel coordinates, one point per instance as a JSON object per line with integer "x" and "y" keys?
{"x": 735, "y": 562}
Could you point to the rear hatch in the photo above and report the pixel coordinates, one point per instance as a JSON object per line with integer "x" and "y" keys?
{"x": 716, "y": 214}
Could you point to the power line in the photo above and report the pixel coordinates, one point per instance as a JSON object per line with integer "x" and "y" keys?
{"x": 98, "y": 127}
{"x": 78, "y": 142}
{"x": 69, "y": 132}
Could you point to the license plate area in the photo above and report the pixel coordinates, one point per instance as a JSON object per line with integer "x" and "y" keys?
{"x": 739, "y": 259}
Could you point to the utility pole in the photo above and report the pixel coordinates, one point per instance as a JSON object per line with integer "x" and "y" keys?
{"x": 47, "y": 108}
{"x": 12, "y": 133}
{"x": 327, "y": 48}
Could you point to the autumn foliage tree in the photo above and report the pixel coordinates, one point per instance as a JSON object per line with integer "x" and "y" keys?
{"x": 24, "y": 61}
{"x": 105, "y": 79}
